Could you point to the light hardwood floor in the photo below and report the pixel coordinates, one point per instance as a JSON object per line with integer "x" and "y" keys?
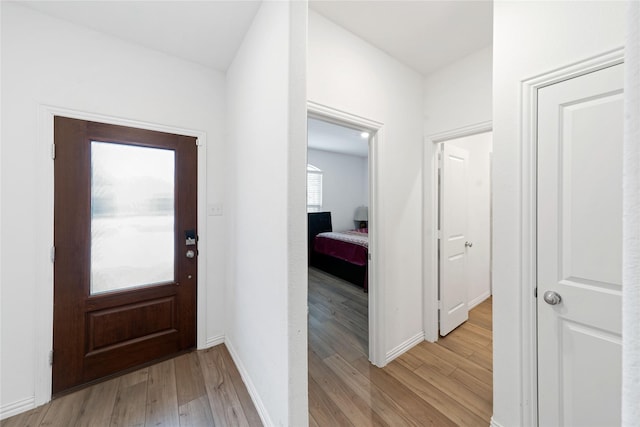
{"x": 444, "y": 384}
{"x": 201, "y": 388}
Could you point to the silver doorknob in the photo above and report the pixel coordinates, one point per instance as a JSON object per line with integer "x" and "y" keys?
{"x": 468, "y": 244}
{"x": 552, "y": 298}
{"x": 190, "y": 254}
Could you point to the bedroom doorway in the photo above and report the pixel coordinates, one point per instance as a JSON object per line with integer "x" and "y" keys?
{"x": 342, "y": 291}
{"x": 464, "y": 224}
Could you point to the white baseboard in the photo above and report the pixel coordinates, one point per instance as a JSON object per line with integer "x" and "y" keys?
{"x": 213, "y": 341}
{"x": 494, "y": 423}
{"x": 251, "y": 388}
{"x": 18, "y": 407}
{"x": 405, "y": 346}
{"x": 478, "y": 300}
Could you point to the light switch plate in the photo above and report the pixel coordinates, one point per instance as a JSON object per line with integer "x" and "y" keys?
{"x": 214, "y": 209}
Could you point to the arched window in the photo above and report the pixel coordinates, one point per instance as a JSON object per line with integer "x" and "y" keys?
{"x": 314, "y": 189}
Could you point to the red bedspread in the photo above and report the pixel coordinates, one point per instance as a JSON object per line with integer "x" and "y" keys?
{"x": 350, "y": 246}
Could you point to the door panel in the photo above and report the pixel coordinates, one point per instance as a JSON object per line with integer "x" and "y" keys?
{"x": 124, "y": 291}
{"x": 580, "y": 133}
{"x": 119, "y": 326}
{"x": 585, "y": 405}
{"x": 453, "y": 227}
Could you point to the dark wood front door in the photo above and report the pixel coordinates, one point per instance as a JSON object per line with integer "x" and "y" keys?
{"x": 124, "y": 225}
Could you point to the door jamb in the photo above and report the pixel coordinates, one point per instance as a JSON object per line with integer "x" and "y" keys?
{"x": 431, "y": 205}
{"x": 377, "y": 353}
{"x": 528, "y": 208}
{"x": 44, "y": 227}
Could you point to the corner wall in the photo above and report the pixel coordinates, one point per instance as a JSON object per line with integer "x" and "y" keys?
{"x": 573, "y": 31}
{"x": 47, "y": 61}
{"x": 267, "y": 289}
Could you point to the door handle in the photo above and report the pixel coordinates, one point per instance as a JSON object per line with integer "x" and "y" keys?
{"x": 552, "y": 298}
{"x": 468, "y": 244}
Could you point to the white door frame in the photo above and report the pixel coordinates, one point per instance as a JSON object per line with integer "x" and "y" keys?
{"x": 43, "y": 298}
{"x": 528, "y": 220}
{"x": 431, "y": 204}
{"x": 377, "y": 353}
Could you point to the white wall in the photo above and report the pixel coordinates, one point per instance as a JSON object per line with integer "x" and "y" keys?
{"x": 348, "y": 74}
{"x": 266, "y": 295}
{"x": 573, "y": 31}
{"x": 479, "y": 215}
{"x": 48, "y": 61}
{"x": 459, "y": 94}
{"x": 344, "y": 185}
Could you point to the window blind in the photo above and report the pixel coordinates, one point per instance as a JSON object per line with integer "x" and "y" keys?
{"x": 314, "y": 189}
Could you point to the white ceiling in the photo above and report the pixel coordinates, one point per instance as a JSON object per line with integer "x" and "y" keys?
{"x": 330, "y": 137}
{"x": 206, "y": 32}
{"x": 425, "y": 35}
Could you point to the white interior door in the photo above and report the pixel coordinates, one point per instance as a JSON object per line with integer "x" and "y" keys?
{"x": 580, "y": 134}
{"x": 453, "y": 240}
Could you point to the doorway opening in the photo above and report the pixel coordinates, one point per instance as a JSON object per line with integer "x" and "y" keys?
{"x": 338, "y": 239}
{"x": 464, "y": 227}
{"x": 460, "y": 161}
{"x": 352, "y": 208}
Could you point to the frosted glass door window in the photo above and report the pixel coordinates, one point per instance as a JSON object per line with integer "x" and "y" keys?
{"x": 132, "y": 216}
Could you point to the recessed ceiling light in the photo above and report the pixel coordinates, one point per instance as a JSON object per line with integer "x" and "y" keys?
{"x": 365, "y": 134}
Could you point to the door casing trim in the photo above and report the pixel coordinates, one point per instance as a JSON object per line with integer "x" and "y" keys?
{"x": 528, "y": 138}
{"x": 377, "y": 352}
{"x": 44, "y": 228}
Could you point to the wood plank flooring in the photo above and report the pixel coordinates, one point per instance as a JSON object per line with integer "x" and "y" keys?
{"x": 201, "y": 388}
{"x": 444, "y": 384}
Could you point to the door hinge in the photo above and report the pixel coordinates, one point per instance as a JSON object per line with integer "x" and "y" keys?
{"x": 53, "y": 254}
{"x": 439, "y": 305}
{"x": 439, "y": 234}
{"x": 51, "y": 357}
{"x": 535, "y": 292}
{"x": 53, "y": 151}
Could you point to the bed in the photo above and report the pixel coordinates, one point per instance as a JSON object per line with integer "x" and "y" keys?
{"x": 342, "y": 254}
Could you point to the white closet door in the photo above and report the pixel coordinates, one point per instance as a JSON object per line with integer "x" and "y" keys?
{"x": 580, "y": 134}
{"x": 453, "y": 243}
